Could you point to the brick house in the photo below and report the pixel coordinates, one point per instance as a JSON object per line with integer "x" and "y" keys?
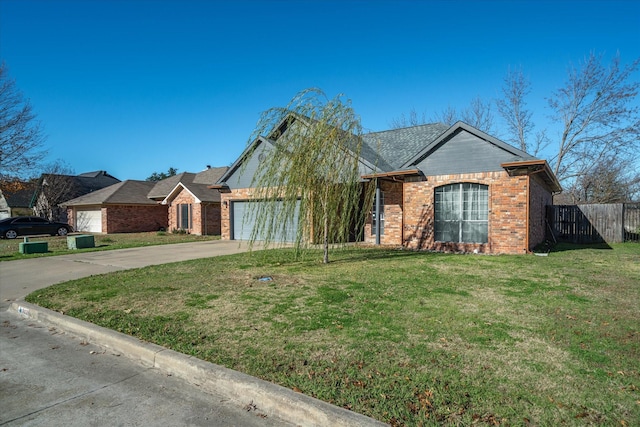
{"x": 120, "y": 208}
{"x": 183, "y": 201}
{"x": 454, "y": 189}
{"x": 191, "y": 205}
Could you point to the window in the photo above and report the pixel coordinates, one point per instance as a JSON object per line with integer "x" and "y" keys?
{"x": 373, "y": 216}
{"x": 184, "y": 216}
{"x": 461, "y": 213}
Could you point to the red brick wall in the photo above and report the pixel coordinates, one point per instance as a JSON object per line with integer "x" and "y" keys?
{"x": 225, "y": 217}
{"x": 408, "y": 210}
{"x": 133, "y": 219}
{"x": 507, "y": 214}
{"x": 539, "y": 199}
{"x": 393, "y": 213}
{"x": 211, "y": 218}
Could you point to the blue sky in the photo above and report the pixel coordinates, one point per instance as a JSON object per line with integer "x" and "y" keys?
{"x": 138, "y": 86}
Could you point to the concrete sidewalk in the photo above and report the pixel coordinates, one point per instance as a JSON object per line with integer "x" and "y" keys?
{"x": 18, "y": 278}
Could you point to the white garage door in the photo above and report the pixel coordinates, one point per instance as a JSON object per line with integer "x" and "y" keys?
{"x": 89, "y": 220}
{"x": 242, "y": 230}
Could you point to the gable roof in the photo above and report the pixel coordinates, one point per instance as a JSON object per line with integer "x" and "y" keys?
{"x": 18, "y": 195}
{"x": 243, "y": 156}
{"x": 200, "y": 192}
{"x": 161, "y": 189}
{"x": 128, "y": 192}
{"x": 455, "y": 129}
{"x": 78, "y": 184}
{"x": 397, "y": 146}
{"x": 398, "y": 152}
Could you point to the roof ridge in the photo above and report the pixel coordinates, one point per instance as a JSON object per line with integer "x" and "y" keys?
{"x": 407, "y": 127}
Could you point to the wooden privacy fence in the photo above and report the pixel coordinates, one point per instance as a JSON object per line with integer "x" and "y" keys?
{"x": 608, "y": 223}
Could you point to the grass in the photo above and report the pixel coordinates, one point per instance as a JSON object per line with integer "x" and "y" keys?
{"x": 407, "y": 338}
{"x": 9, "y": 249}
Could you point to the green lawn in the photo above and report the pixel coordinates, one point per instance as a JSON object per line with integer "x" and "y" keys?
{"x": 407, "y": 338}
{"x": 9, "y": 249}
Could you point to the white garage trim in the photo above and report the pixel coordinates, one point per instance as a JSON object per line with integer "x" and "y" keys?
{"x": 89, "y": 220}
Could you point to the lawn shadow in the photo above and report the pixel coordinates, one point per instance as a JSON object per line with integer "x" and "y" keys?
{"x": 564, "y": 246}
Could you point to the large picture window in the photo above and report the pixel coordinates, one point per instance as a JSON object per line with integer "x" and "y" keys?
{"x": 461, "y": 213}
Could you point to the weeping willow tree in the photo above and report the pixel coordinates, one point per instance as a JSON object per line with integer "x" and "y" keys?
{"x": 308, "y": 179}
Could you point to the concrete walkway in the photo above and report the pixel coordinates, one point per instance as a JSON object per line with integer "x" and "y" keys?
{"x": 26, "y": 370}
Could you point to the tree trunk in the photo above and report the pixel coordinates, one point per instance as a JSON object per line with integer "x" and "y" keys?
{"x": 325, "y": 242}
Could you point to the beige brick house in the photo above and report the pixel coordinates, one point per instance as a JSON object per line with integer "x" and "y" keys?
{"x": 454, "y": 189}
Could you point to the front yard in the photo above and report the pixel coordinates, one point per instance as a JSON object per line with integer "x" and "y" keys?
{"x": 407, "y": 338}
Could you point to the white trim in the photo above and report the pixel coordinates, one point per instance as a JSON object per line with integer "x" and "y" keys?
{"x": 167, "y": 200}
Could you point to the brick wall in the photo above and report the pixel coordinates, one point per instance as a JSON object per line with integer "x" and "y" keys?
{"x": 539, "y": 199}
{"x": 409, "y": 213}
{"x": 393, "y": 211}
{"x": 205, "y": 217}
{"x": 183, "y": 198}
{"x": 133, "y": 219}
{"x": 211, "y": 218}
{"x": 225, "y": 216}
{"x": 507, "y": 214}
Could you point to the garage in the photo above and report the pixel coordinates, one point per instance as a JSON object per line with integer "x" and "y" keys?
{"x": 242, "y": 222}
{"x": 89, "y": 220}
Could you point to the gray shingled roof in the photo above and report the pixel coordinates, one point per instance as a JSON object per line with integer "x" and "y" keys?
{"x": 161, "y": 189}
{"x": 128, "y": 192}
{"x": 209, "y": 176}
{"x": 203, "y": 192}
{"x": 20, "y": 198}
{"x": 397, "y": 146}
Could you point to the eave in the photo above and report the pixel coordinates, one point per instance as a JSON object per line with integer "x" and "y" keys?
{"x": 533, "y": 167}
{"x": 399, "y": 175}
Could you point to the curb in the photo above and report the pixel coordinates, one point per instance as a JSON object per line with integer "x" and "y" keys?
{"x": 267, "y": 398}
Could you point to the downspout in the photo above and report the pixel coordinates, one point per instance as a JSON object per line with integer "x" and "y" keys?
{"x": 204, "y": 229}
{"x": 377, "y": 211}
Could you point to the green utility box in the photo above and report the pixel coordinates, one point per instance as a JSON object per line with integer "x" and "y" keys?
{"x": 81, "y": 241}
{"x": 34, "y": 247}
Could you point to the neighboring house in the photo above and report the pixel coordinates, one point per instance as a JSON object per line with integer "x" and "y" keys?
{"x": 120, "y": 208}
{"x": 192, "y": 206}
{"x": 15, "y": 197}
{"x": 180, "y": 202}
{"x": 438, "y": 188}
{"x": 54, "y": 189}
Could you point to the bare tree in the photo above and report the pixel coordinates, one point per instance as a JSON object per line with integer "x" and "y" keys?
{"x": 609, "y": 181}
{"x": 599, "y": 123}
{"x": 478, "y": 115}
{"x": 56, "y": 185}
{"x": 21, "y": 137}
{"x": 512, "y": 108}
{"x": 412, "y": 119}
{"x": 448, "y": 116}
